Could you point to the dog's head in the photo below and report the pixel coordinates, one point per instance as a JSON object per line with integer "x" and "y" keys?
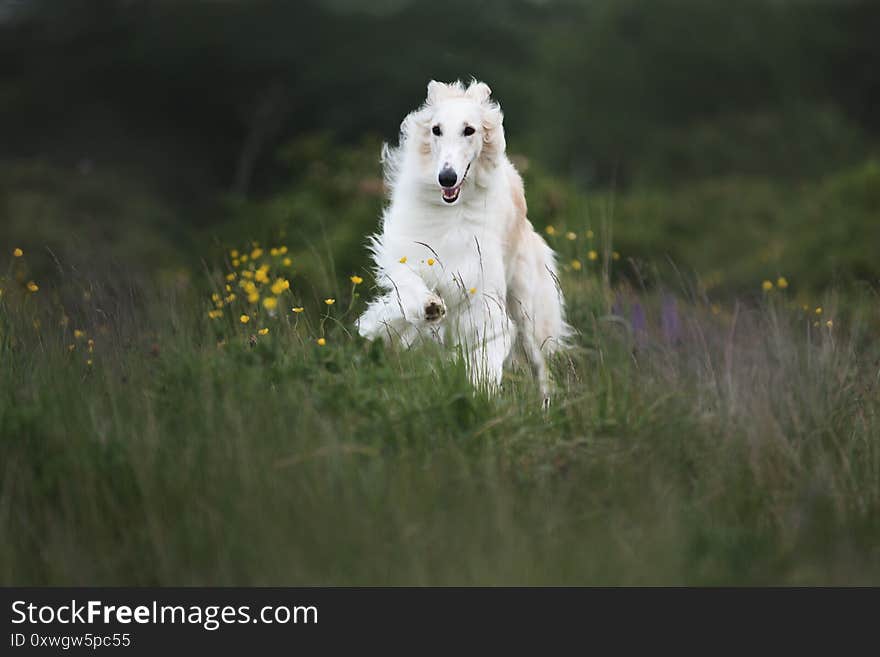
{"x": 460, "y": 133}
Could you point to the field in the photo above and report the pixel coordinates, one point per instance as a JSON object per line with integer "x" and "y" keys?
{"x": 715, "y": 425}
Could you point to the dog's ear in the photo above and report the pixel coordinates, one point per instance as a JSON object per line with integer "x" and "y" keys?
{"x": 479, "y": 91}
{"x": 494, "y": 143}
{"x": 434, "y": 90}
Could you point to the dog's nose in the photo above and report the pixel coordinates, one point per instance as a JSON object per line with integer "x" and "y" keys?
{"x": 447, "y": 177}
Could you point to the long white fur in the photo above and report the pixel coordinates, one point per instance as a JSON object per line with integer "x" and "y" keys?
{"x": 493, "y": 277}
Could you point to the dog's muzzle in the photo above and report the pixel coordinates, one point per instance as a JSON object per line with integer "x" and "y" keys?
{"x": 450, "y": 190}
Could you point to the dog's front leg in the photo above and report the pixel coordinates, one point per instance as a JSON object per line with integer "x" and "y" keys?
{"x": 488, "y": 336}
{"x": 416, "y": 303}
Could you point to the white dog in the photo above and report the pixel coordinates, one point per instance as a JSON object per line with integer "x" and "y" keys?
{"x": 457, "y": 259}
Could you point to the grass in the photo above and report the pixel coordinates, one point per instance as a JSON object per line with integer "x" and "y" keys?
{"x": 731, "y": 445}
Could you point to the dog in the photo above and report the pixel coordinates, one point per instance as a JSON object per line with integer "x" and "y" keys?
{"x": 456, "y": 258}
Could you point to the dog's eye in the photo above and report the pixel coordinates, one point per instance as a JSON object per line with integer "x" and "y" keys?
{"x": 468, "y": 131}
{"x": 436, "y": 130}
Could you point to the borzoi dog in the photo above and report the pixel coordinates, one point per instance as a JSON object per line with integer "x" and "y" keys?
{"x": 457, "y": 259}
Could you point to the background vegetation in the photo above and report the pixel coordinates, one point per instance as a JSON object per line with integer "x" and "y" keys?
{"x": 708, "y": 173}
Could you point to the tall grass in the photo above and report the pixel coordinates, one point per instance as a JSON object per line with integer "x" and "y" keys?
{"x": 687, "y": 444}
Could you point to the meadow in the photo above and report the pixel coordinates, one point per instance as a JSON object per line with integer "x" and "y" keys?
{"x": 200, "y": 411}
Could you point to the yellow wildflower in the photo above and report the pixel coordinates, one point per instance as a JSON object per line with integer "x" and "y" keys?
{"x": 71, "y": 347}
{"x": 18, "y": 253}
{"x": 280, "y": 285}
{"x": 571, "y": 236}
{"x": 576, "y": 265}
{"x": 244, "y": 258}
{"x": 230, "y": 298}
{"x": 215, "y": 297}
{"x": 402, "y": 260}
{"x": 32, "y": 287}
{"x": 430, "y": 262}
{"x": 329, "y": 302}
{"x": 357, "y": 280}
{"x": 233, "y": 253}
{"x": 321, "y": 342}
{"x": 262, "y": 274}
{"x": 829, "y": 323}
{"x": 270, "y": 303}
{"x": 297, "y": 309}
{"x": 244, "y": 319}
{"x": 90, "y": 362}
{"x": 282, "y": 250}
{"x": 91, "y": 344}
{"x": 236, "y": 262}
{"x": 592, "y": 255}
{"x": 473, "y": 290}
{"x": 781, "y": 282}
{"x": 248, "y": 274}
{"x": 256, "y": 253}
{"x": 253, "y": 297}
{"x": 767, "y": 286}
{"x": 819, "y": 310}
{"x": 615, "y": 255}
{"x": 263, "y": 331}
{"x": 230, "y": 276}
{"x": 550, "y": 230}
{"x": 287, "y": 262}
{"x": 589, "y": 234}
{"x": 79, "y": 335}
{"x": 215, "y": 314}
{"x": 273, "y": 251}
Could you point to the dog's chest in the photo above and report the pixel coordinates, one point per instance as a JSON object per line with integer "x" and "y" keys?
{"x": 459, "y": 261}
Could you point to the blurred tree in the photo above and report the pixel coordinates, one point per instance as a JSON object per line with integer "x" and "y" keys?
{"x": 195, "y": 95}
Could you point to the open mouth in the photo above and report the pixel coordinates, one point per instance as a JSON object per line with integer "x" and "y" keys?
{"x": 450, "y": 194}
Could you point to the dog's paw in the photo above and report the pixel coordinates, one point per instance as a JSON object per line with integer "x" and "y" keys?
{"x": 434, "y": 309}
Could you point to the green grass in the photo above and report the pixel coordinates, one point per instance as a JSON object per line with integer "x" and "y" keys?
{"x": 744, "y": 450}
{"x": 738, "y": 442}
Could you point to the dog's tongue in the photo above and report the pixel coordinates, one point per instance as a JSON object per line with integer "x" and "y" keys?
{"x": 450, "y": 192}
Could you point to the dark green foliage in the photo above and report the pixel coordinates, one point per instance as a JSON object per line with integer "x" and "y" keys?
{"x": 606, "y": 91}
